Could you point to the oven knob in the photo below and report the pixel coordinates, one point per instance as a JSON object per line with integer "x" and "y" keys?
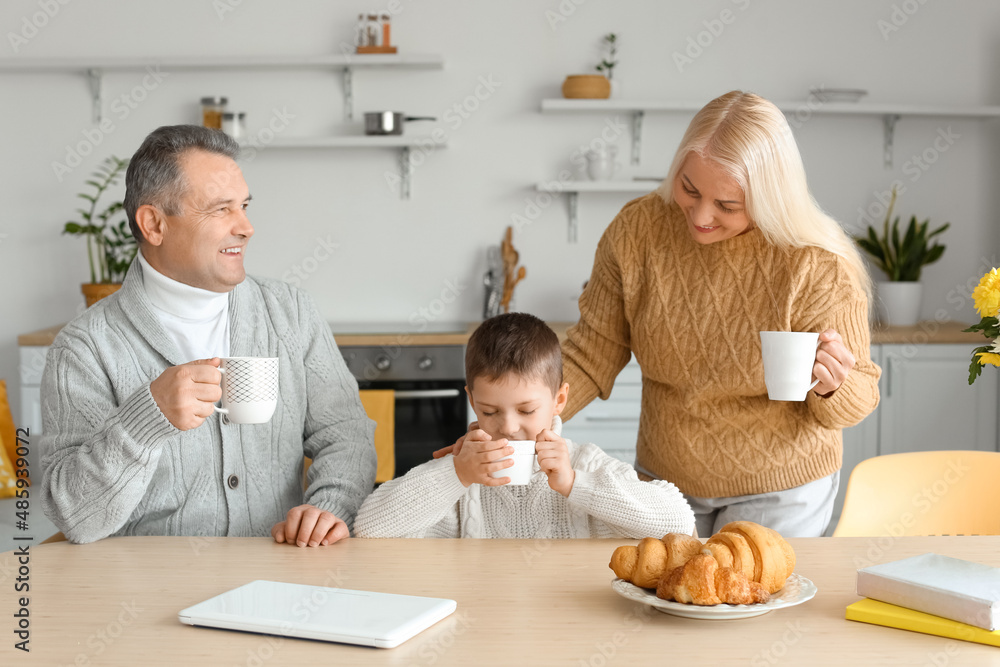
{"x": 382, "y": 363}
{"x": 425, "y": 363}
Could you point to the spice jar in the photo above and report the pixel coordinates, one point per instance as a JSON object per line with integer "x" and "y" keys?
{"x": 211, "y": 111}
{"x": 234, "y": 123}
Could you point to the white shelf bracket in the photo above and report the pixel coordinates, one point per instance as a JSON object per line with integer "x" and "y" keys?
{"x": 637, "y": 117}
{"x": 94, "y": 80}
{"x": 889, "y": 130}
{"x": 348, "y": 93}
{"x": 574, "y": 220}
{"x": 405, "y": 173}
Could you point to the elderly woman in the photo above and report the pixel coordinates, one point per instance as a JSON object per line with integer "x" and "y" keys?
{"x": 685, "y": 278}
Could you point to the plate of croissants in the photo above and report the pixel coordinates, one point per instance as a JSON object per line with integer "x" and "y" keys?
{"x": 743, "y": 570}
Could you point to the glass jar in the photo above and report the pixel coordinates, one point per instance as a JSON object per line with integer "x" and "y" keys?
{"x": 211, "y": 111}
{"x": 234, "y": 123}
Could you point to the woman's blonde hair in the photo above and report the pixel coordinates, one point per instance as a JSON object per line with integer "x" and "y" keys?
{"x": 751, "y": 140}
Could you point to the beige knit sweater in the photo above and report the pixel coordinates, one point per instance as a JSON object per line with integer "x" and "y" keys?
{"x": 691, "y": 314}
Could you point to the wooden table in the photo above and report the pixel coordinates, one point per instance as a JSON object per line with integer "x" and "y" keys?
{"x": 534, "y": 602}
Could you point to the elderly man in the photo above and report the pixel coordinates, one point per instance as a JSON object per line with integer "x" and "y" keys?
{"x": 130, "y": 445}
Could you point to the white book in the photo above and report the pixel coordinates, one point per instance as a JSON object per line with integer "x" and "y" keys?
{"x": 949, "y": 587}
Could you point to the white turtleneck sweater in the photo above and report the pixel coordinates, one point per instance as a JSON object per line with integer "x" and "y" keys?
{"x": 196, "y": 319}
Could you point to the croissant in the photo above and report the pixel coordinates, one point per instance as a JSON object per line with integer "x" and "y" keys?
{"x": 644, "y": 565}
{"x": 773, "y": 556}
{"x": 702, "y": 582}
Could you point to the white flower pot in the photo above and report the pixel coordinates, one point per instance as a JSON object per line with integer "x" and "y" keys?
{"x": 899, "y": 303}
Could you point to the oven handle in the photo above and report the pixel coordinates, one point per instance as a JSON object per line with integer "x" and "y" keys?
{"x": 412, "y": 395}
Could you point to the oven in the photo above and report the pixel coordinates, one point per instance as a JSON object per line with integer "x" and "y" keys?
{"x": 431, "y": 406}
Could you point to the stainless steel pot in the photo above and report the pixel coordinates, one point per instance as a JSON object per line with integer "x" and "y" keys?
{"x": 388, "y": 122}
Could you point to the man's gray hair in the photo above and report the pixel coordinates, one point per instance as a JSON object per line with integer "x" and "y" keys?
{"x": 154, "y": 175}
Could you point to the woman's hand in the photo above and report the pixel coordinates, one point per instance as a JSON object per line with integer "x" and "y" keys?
{"x": 833, "y": 363}
{"x": 457, "y": 447}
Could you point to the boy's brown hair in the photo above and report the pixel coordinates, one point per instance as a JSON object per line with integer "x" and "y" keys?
{"x": 516, "y": 343}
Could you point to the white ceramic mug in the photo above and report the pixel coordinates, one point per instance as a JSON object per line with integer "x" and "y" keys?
{"x": 601, "y": 165}
{"x": 789, "y": 357}
{"x": 524, "y": 461}
{"x": 249, "y": 389}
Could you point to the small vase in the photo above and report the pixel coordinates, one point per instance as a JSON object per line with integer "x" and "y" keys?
{"x": 94, "y": 292}
{"x": 899, "y": 303}
{"x": 586, "y": 86}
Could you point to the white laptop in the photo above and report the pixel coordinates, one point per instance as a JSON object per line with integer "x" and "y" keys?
{"x": 383, "y": 620}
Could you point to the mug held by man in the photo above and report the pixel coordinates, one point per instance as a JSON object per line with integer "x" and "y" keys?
{"x": 249, "y": 389}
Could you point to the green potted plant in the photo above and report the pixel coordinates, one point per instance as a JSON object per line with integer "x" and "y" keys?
{"x": 110, "y": 244}
{"x": 607, "y": 64}
{"x": 901, "y": 256}
{"x": 595, "y": 86}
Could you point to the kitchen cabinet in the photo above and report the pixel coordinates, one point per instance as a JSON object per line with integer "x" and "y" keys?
{"x": 95, "y": 69}
{"x": 927, "y": 403}
{"x": 612, "y": 425}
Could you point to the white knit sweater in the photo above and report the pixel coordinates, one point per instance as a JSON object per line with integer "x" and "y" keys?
{"x": 607, "y": 500}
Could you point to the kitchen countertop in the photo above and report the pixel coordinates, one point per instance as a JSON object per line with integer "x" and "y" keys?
{"x": 376, "y": 334}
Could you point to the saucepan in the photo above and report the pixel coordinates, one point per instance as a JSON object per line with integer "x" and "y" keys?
{"x": 388, "y": 122}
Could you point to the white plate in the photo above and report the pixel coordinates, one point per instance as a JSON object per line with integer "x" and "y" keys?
{"x": 797, "y": 590}
{"x": 838, "y": 94}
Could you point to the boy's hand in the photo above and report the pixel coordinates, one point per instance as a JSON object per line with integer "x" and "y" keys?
{"x": 307, "y": 525}
{"x": 477, "y": 458}
{"x": 457, "y": 447}
{"x": 553, "y": 459}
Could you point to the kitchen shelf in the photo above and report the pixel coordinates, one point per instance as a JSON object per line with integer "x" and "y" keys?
{"x": 95, "y": 68}
{"x": 404, "y": 144}
{"x": 890, "y": 113}
{"x": 572, "y": 189}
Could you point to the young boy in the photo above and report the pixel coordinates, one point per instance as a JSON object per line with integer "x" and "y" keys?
{"x": 513, "y": 367}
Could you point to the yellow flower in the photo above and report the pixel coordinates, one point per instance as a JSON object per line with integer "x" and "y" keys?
{"x": 989, "y": 358}
{"x": 987, "y": 295}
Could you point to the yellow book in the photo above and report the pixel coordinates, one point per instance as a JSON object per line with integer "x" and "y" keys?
{"x": 889, "y": 615}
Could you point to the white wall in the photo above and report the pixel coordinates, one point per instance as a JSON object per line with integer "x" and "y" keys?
{"x": 395, "y": 257}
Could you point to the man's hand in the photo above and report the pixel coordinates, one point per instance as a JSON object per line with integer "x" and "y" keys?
{"x": 478, "y": 457}
{"x": 553, "y": 459}
{"x": 186, "y": 394}
{"x": 457, "y": 447}
{"x": 833, "y": 363}
{"x": 307, "y": 525}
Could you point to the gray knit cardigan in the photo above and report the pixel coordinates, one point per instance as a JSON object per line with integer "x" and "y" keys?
{"x": 113, "y": 465}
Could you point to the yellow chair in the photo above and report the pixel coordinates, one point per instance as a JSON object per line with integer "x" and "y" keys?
{"x": 380, "y": 404}
{"x": 923, "y": 493}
